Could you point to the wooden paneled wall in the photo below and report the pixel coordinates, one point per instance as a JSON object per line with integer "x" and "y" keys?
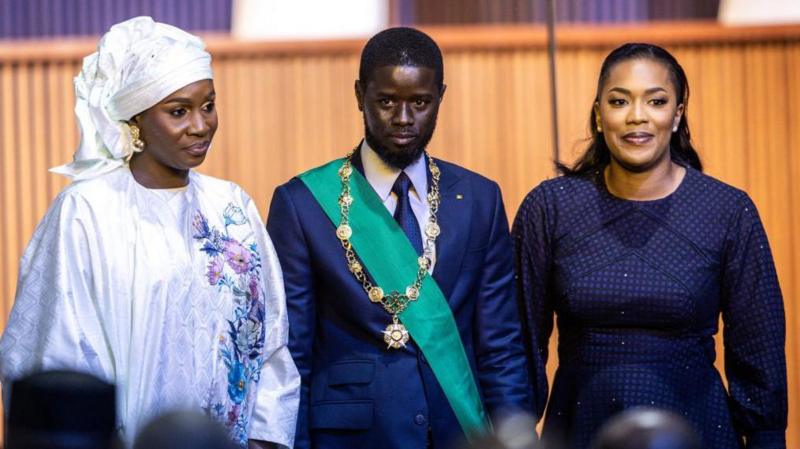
{"x": 286, "y": 107}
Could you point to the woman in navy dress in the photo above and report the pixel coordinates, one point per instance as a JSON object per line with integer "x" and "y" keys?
{"x": 638, "y": 253}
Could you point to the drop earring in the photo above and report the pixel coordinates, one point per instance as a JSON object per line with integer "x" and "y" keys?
{"x": 138, "y": 144}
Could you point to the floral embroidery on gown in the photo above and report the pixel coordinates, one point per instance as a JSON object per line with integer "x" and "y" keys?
{"x": 236, "y": 267}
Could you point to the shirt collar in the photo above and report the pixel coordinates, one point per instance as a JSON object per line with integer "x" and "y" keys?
{"x": 381, "y": 176}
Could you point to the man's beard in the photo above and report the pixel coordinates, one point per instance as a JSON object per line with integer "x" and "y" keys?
{"x": 398, "y": 159}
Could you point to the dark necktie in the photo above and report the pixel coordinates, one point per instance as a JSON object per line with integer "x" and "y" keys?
{"x": 403, "y": 213}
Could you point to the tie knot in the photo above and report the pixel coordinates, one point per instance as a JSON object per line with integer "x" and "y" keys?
{"x": 401, "y": 185}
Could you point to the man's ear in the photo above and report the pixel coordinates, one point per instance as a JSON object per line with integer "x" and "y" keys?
{"x": 359, "y": 95}
{"x": 441, "y": 92}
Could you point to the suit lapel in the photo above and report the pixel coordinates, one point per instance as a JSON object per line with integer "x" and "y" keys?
{"x": 454, "y": 219}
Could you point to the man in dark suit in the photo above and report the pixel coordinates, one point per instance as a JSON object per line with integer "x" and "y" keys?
{"x": 399, "y": 275}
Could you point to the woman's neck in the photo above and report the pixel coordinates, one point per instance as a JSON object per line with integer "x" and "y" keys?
{"x": 654, "y": 184}
{"x": 155, "y": 176}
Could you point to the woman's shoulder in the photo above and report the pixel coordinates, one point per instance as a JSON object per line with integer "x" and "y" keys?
{"x": 100, "y": 191}
{"x": 571, "y": 182}
{"x": 212, "y": 182}
{"x": 714, "y": 193}
{"x": 563, "y": 199}
{"x": 83, "y": 204}
{"x": 222, "y": 189}
{"x": 555, "y": 190}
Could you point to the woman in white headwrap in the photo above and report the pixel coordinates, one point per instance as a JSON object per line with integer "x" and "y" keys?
{"x": 147, "y": 273}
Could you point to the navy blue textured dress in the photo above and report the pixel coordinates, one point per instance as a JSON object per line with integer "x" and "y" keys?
{"x": 638, "y": 287}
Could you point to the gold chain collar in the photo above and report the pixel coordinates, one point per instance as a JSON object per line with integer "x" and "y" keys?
{"x": 395, "y": 302}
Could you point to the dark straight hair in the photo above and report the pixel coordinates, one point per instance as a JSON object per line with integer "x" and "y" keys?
{"x": 597, "y": 155}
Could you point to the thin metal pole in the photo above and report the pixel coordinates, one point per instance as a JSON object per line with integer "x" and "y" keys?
{"x": 551, "y": 58}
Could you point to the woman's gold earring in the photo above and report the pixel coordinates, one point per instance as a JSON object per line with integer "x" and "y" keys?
{"x": 138, "y": 144}
{"x": 599, "y": 129}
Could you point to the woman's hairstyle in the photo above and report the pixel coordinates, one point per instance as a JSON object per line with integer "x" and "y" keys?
{"x": 597, "y": 155}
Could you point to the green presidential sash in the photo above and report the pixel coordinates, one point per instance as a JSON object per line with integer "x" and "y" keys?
{"x": 391, "y": 261}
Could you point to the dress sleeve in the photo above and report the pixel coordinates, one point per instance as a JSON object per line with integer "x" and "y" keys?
{"x": 275, "y": 412}
{"x": 754, "y": 333}
{"x": 54, "y": 323}
{"x": 533, "y": 251}
{"x": 293, "y": 252}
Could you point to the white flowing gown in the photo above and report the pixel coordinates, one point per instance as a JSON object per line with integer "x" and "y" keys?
{"x": 175, "y": 296}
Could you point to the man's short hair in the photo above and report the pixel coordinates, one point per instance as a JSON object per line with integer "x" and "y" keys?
{"x": 400, "y": 46}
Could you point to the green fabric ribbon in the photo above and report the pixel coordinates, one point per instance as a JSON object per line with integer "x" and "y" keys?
{"x": 391, "y": 261}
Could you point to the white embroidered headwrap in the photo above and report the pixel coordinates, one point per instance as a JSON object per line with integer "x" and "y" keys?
{"x": 138, "y": 63}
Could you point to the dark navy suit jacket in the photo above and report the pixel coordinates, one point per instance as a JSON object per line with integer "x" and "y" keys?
{"x": 355, "y": 392}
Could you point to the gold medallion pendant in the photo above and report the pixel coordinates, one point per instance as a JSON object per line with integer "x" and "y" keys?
{"x": 396, "y": 301}
{"x": 395, "y": 336}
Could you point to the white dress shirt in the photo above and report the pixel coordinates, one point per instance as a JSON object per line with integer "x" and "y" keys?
{"x": 381, "y": 176}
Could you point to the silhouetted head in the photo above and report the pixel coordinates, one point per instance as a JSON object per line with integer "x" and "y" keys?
{"x": 646, "y": 428}
{"x": 183, "y": 430}
{"x": 512, "y": 430}
{"x": 61, "y": 410}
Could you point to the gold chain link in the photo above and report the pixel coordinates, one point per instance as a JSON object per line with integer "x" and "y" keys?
{"x": 395, "y": 302}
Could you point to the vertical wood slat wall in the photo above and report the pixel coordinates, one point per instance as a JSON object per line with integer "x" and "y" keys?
{"x": 286, "y": 107}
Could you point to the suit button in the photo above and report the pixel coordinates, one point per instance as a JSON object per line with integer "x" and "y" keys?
{"x": 420, "y": 420}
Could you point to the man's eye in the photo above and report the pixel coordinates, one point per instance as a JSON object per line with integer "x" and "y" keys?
{"x": 420, "y": 103}
{"x": 386, "y": 102}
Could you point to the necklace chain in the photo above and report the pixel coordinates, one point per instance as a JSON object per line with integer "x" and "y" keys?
{"x": 394, "y": 302}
